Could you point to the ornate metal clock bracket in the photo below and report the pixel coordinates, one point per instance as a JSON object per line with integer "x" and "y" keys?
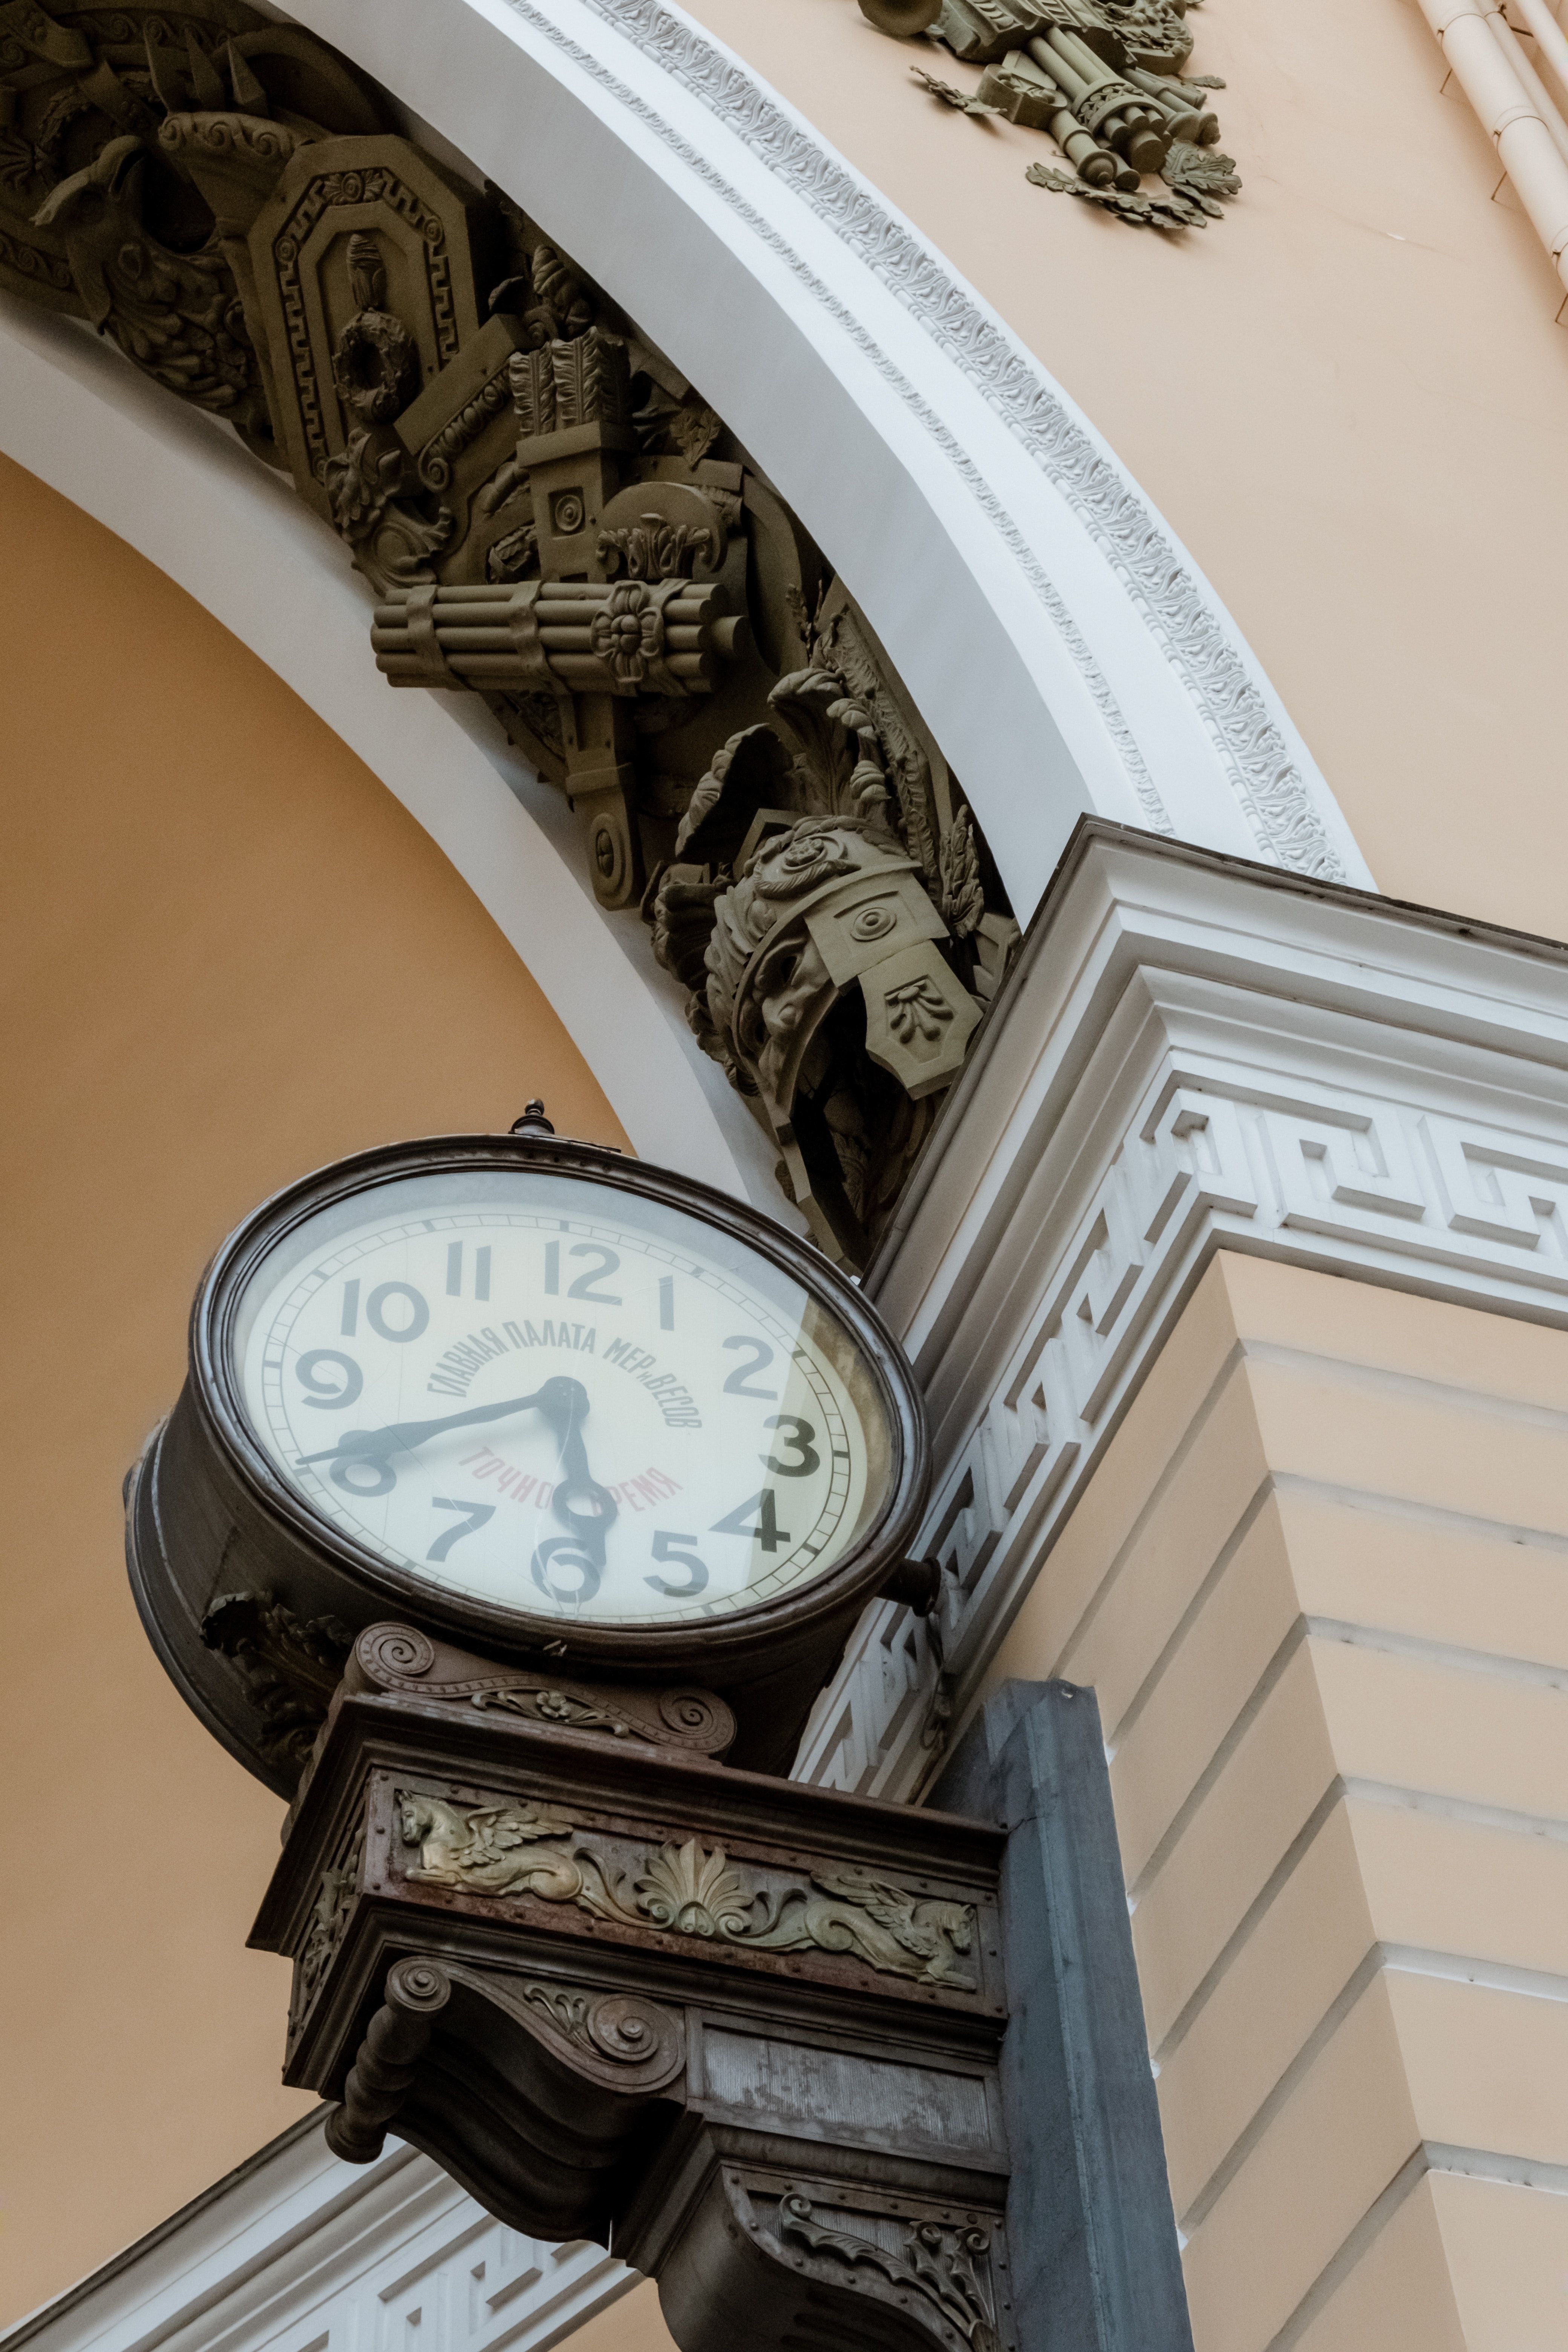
{"x": 745, "y": 2031}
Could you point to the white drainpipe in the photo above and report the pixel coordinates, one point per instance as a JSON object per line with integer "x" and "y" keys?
{"x": 1516, "y": 122}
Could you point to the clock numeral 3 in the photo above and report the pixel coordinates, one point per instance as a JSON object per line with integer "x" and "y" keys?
{"x": 477, "y": 1513}
{"x": 761, "y": 1355}
{"x": 678, "y": 1551}
{"x": 768, "y": 1531}
{"x": 798, "y": 1436}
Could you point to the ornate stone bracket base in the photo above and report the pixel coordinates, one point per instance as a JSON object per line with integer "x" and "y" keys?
{"x": 748, "y": 2032}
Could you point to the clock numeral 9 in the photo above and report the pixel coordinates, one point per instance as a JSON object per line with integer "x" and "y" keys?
{"x": 329, "y": 1396}
{"x": 678, "y": 1551}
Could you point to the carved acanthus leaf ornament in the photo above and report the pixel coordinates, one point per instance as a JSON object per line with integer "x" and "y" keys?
{"x": 685, "y": 1890}
{"x": 552, "y": 518}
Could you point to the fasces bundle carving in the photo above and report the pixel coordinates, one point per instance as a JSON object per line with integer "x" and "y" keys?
{"x": 1106, "y": 79}
{"x": 553, "y": 519}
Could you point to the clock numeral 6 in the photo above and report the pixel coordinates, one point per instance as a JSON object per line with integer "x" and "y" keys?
{"x": 570, "y": 1554}
{"x": 798, "y": 1435}
{"x": 678, "y": 1551}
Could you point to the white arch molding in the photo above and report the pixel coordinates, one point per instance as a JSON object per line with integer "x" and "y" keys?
{"x": 1065, "y": 651}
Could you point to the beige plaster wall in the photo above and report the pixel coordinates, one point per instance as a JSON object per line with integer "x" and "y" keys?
{"x": 1320, "y": 1586}
{"x": 1347, "y": 398}
{"x": 226, "y": 955}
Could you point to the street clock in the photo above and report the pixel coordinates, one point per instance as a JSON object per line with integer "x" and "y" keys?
{"x": 538, "y": 1398}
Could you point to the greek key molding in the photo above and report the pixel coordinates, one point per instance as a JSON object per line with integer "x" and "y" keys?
{"x": 342, "y": 2259}
{"x": 1269, "y": 786}
{"x": 1259, "y": 1067}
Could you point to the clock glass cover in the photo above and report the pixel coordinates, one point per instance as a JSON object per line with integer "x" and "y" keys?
{"x": 555, "y": 1395}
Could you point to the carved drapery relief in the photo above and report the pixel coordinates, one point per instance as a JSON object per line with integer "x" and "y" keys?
{"x": 1105, "y": 79}
{"x": 553, "y": 519}
{"x": 685, "y": 1890}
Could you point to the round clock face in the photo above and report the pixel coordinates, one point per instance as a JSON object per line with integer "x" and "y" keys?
{"x": 559, "y": 1397}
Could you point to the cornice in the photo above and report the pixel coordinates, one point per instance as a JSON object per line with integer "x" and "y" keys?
{"x": 1194, "y": 1055}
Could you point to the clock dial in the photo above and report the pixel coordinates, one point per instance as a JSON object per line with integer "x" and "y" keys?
{"x": 558, "y": 1397}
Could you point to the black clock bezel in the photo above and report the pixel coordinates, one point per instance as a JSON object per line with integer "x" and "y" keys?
{"x": 715, "y": 1648}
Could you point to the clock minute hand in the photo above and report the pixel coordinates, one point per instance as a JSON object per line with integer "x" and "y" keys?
{"x": 402, "y": 1436}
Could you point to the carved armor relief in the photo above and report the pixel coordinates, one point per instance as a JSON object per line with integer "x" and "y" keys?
{"x": 553, "y": 519}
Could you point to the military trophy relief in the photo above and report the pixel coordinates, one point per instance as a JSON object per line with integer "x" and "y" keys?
{"x": 1108, "y": 81}
{"x": 551, "y": 518}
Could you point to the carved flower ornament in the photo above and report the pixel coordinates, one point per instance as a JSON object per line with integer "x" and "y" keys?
{"x": 918, "y": 1012}
{"x": 810, "y": 854}
{"x": 627, "y": 633}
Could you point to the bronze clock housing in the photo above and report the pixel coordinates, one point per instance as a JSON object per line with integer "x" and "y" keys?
{"x": 253, "y": 1574}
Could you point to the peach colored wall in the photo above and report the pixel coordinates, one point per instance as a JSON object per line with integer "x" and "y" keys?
{"x": 1319, "y": 1584}
{"x": 226, "y": 955}
{"x": 1347, "y": 397}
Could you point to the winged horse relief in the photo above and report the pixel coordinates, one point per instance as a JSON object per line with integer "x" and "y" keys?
{"x": 685, "y": 1890}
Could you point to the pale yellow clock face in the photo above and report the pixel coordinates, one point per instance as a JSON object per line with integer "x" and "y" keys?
{"x": 554, "y": 1396}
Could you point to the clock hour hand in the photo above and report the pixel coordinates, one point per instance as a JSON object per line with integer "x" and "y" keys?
{"x": 402, "y": 1436}
{"x": 579, "y": 1502}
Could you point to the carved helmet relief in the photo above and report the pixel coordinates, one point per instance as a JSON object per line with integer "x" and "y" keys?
{"x": 554, "y": 520}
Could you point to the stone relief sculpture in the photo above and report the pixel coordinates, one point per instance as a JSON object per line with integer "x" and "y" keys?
{"x": 553, "y": 519}
{"x": 685, "y": 1890}
{"x": 1106, "y": 80}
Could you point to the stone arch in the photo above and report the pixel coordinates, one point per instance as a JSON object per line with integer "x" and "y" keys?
{"x": 1065, "y": 652}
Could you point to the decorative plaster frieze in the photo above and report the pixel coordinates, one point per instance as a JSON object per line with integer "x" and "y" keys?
{"x": 1275, "y": 797}
{"x": 1194, "y": 1056}
{"x": 297, "y": 2249}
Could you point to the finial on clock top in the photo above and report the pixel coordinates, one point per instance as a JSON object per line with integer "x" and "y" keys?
{"x": 533, "y": 1121}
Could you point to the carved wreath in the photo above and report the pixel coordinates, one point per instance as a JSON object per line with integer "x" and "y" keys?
{"x": 685, "y": 1890}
